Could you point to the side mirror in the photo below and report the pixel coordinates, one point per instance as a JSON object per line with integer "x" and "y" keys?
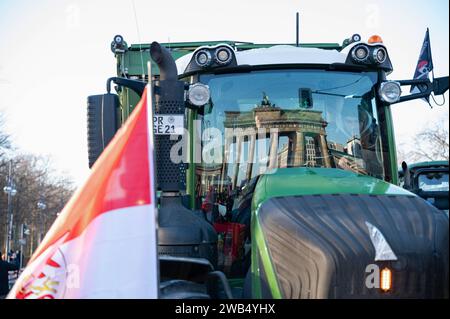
{"x": 103, "y": 116}
{"x": 440, "y": 85}
{"x": 103, "y": 123}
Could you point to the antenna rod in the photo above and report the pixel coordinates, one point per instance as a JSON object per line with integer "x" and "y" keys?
{"x": 297, "y": 29}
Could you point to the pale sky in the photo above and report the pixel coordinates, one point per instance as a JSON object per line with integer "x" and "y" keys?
{"x": 54, "y": 53}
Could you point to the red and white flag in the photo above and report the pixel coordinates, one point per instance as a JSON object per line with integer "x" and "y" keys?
{"x": 103, "y": 244}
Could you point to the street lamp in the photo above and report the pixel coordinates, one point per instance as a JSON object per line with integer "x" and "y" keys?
{"x": 10, "y": 191}
{"x": 41, "y": 206}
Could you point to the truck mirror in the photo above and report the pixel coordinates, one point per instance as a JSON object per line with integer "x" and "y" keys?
{"x": 103, "y": 114}
{"x": 440, "y": 85}
{"x": 102, "y": 118}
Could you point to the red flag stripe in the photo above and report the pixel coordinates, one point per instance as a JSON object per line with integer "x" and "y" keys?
{"x": 115, "y": 182}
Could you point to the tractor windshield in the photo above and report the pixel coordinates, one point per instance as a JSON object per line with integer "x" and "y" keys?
{"x": 264, "y": 120}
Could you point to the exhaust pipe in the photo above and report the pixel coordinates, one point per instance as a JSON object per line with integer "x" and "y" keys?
{"x": 407, "y": 176}
{"x": 166, "y": 64}
{"x": 169, "y": 100}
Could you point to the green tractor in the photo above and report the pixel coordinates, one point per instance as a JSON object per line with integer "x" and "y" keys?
{"x": 276, "y": 170}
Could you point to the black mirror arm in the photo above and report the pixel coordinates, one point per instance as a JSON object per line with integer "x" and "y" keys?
{"x": 135, "y": 85}
{"x": 439, "y": 86}
{"x": 414, "y": 96}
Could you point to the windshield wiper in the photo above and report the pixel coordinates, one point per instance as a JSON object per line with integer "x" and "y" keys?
{"x": 350, "y": 96}
{"x": 346, "y": 67}
{"x": 244, "y": 68}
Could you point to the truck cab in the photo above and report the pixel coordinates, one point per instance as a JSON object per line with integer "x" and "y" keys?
{"x": 276, "y": 169}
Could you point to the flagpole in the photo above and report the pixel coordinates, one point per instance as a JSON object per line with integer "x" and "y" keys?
{"x": 432, "y": 66}
{"x": 429, "y": 51}
{"x": 151, "y": 158}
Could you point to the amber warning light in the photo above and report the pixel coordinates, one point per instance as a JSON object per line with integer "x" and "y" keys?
{"x": 375, "y": 39}
{"x": 386, "y": 279}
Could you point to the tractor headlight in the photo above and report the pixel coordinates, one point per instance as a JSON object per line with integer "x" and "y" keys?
{"x": 379, "y": 55}
{"x": 360, "y": 53}
{"x": 198, "y": 94}
{"x": 203, "y": 58}
{"x": 118, "y": 45}
{"x": 356, "y": 38}
{"x": 223, "y": 55}
{"x": 118, "y": 39}
{"x": 390, "y": 91}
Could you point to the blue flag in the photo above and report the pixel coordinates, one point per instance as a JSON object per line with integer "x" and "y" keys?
{"x": 424, "y": 65}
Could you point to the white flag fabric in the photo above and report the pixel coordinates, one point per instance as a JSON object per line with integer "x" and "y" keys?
{"x": 103, "y": 244}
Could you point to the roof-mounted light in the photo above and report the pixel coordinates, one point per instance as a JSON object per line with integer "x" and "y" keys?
{"x": 209, "y": 57}
{"x": 118, "y": 45}
{"x": 379, "y": 55}
{"x": 223, "y": 55}
{"x": 356, "y": 37}
{"x": 118, "y": 39}
{"x": 360, "y": 53}
{"x": 375, "y": 39}
{"x": 203, "y": 58}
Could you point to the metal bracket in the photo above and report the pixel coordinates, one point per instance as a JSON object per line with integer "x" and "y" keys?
{"x": 136, "y": 86}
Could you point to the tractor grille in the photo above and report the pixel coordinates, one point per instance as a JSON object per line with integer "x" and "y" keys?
{"x": 320, "y": 246}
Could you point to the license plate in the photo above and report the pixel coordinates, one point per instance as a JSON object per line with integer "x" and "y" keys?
{"x": 168, "y": 124}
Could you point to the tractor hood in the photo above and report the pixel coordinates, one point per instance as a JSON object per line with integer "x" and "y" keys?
{"x": 319, "y": 233}
{"x": 316, "y": 181}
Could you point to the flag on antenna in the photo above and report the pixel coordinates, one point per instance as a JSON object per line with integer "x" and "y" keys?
{"x": 424, "y": 65}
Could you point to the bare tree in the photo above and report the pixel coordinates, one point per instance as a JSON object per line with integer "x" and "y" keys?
{"x": 5, "y": 139}
{"x": 35, "y": 181}
{"x": 430, "y": 144}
